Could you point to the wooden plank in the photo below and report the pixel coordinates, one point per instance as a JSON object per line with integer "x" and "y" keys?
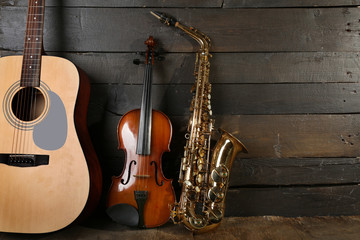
{"x": 294, "y": 171}
{"x": 122, "y": 3}
{"x": 294, "y": 201}
{"x": 285, "y": 3}
{"x": 266, "y": 136}
{"x": 235, "y": 30}
{"x": 249, "y": 228}
{"x": 281, "y": 228}
{"x": 177, "y": 68}
{"x": 254, "y": 172}
{"x": 235, "y": 99}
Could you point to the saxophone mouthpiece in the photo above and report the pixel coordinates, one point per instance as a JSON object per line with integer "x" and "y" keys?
{"x": 164, "y": 18}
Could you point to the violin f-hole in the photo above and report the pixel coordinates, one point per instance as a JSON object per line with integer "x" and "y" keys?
{"x": 129, "y": 173}
{"x": 156, "y": 174}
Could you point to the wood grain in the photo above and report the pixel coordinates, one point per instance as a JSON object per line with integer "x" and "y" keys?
{"x": 283, "y": 149}
{"x": 235, "y": 99}
{"x": 294, "y": 171}
{"x": 269, "y": 136}
{"x": 231, "y": 30}
{"x": 238, "y": 68}
{"x": 122, "y": 3}
{"x": 285, "y": 80}
{"x": 248, "y": 228}
{"x": 285, "y": 3}
{"x": 294, "y": 201}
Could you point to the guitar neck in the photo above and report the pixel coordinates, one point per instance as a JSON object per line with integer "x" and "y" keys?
{"x": 31, "y": 66}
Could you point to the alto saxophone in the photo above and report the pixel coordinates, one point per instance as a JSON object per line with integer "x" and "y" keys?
{"x": 204, "y": 183}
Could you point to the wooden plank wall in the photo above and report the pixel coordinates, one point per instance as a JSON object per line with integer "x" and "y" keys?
{"x": 285, "y": 80}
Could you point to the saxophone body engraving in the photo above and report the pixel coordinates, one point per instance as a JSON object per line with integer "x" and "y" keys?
{"x": 204, "y": 182}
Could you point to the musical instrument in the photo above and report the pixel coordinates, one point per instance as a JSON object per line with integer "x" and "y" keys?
{"x": 49, "y": 172}
{"x": 204, "y": 182}
{"x": 141, "y": 195}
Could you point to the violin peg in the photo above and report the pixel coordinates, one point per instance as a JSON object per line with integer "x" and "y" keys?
{"x": 137, "y": 62}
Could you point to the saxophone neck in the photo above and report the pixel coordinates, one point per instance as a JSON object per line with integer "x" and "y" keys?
{"x": 200, "y": 37}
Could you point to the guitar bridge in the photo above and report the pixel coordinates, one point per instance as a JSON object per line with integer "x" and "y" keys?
{"x": 24, "y": 160}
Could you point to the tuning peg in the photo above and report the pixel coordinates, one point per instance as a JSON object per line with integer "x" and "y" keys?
{"x": 138, "y": 62}
{"x": 160, "y": 58}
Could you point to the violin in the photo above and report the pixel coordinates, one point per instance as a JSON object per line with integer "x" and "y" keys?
{"x": 141, "y": 196}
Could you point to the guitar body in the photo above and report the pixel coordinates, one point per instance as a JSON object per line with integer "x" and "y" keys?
{"x": 50, "y": 195}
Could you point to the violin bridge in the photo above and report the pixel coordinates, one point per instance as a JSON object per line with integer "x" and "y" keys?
{"x": 141, "y": 176}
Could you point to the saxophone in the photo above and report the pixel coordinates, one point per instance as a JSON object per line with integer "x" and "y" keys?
{"x": 204, "y": 183}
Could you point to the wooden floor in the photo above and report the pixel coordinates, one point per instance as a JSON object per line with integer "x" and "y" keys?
{"x": 245, "y": 228}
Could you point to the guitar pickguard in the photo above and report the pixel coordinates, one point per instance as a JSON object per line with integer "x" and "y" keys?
{"x": 51, "y": 132}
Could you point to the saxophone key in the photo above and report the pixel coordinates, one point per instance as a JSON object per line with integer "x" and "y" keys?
{"x": 201, "y": 167}
{"x": 201, "y": 152}
{"x": 199, "y": 178}
{"x": 191, "y": 196}
{"x": 188, "y": 184}
{"x": 215, "y": 216}
{"x": 219, "y": 174}
{"x": 215, "y": 194}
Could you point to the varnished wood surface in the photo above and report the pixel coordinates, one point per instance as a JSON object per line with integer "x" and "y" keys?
{"x": 80, "y": 118}
{"x": 156, "y": 208}
{"x": 32, "y": 196}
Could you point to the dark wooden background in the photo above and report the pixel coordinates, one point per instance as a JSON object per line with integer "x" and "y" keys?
{"x": 285, "y": 80}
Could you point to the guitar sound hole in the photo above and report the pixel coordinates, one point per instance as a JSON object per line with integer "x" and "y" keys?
{"x": 28, "y": 104}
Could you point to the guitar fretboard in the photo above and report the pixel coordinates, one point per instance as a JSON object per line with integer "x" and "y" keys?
{"x": 31, "y": 66}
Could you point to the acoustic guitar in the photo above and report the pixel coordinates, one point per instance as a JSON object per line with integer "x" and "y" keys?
{"x": 49, "y": 172}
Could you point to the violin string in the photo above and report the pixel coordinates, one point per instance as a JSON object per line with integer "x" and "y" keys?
{"x": 150, "y": 111}
{"x": 145, "y": 158}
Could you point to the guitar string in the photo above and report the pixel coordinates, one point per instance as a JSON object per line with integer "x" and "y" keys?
{"x": 37, "y": 65}
{"x": 32, "y": 68}
{"x": 27, "y": 90}
{"x": 32, "y": 74}
{"x": 19, "y": 103}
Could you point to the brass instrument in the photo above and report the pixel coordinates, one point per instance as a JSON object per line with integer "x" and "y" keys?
{"x": 204, "y": 183}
